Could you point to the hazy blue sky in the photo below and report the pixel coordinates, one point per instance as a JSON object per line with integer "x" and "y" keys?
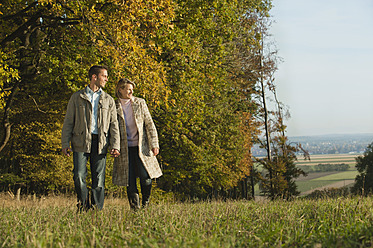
{"x": 326, "y": 77}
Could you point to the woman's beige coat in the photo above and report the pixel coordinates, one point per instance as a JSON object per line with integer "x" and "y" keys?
{"x": 148, "y": 139}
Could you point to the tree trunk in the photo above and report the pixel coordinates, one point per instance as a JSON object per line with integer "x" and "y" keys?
{"x": 266, "y": 126}
{"x": 6, "y": 123}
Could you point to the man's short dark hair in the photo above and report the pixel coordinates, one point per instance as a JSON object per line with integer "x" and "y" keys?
{"x": 96, "y": 69}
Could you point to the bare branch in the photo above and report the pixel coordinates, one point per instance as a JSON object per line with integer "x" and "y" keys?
{"x": 6, "y": 123}
{"x": 7, "y": 128}
{"x": 36, "y": 104}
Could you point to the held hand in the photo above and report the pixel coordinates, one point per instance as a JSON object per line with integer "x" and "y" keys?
{"x": 155, "y": 151}
{"x": 114, "y": 153}
{"x": 66, "y": 151}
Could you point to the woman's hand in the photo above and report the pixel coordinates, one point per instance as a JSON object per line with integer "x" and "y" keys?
{"x": 155, "y": 151}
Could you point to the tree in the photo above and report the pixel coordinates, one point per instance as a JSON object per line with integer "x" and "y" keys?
{"x": 281, "y": 182}
{"x": 364, "y": 165}
{"x": 209, "y": 97}
{"x": 278, "y": 177}
{"x": 188, "y": 58}
{"x": 47, "y": 47}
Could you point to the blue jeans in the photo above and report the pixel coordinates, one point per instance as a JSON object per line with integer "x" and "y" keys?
{"x": 137, "y": 169}
{"x": 98, "y": 166}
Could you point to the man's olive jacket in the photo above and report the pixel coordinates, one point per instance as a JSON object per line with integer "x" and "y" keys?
{"x": 77, "y": 124}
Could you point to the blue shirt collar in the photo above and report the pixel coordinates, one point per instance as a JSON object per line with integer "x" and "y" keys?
{"x": 90, "y": 92}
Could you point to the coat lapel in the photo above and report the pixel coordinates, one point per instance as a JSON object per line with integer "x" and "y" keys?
{"x": 119, "y": 109}
{"x": 135, "y": 108}
{"x": 84, "y": 95}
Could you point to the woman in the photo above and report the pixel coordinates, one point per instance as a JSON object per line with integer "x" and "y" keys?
{"x": 138, "y": 145}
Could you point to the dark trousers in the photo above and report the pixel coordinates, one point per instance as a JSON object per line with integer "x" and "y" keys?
{"x": 137, "y": 169}
{"x": 98, "y": 165}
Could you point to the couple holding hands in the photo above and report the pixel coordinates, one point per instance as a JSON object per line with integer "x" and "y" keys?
{"x": 94, "y": 122}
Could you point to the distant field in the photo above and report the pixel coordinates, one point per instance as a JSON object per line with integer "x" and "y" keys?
{"x": 344, "y": 178}
{"x": 344, "y": 175}
{"x": 329, "y": 159}
{"x": 318, "y": 180}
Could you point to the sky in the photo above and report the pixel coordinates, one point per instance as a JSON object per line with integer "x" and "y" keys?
{"x": 326, "y": 76}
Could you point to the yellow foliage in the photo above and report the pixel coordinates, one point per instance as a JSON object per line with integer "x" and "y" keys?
{"x": 6, "y": 75}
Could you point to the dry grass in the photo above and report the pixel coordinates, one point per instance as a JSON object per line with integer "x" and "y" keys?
{"x": 8, "y": 200}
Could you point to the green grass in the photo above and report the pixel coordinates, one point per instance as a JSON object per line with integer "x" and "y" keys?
{"x": 344, "y": 175}
{"x": 304, "y": 186}
{"x": 300, "y": 223}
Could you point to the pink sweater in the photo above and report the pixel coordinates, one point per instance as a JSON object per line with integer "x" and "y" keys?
{"x": 132, "y": 132}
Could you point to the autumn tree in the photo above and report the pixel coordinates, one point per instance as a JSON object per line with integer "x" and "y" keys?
{"x": 47, "y": 47}
{"x": 205, "y": 143}
{"x": 191, "y": 60}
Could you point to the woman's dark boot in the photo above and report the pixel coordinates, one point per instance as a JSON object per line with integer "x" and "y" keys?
{"x": 134, "y": 201}
{"x": 145, "y": 191}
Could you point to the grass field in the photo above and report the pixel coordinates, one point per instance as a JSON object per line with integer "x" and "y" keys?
{"x": 53, "y": 222}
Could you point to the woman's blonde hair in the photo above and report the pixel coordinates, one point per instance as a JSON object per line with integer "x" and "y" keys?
{"x": 123, "y": 82}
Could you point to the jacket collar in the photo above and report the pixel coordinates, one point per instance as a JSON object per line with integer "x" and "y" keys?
{"x": 83, "y": 94}
{"x": 135, "y": 106}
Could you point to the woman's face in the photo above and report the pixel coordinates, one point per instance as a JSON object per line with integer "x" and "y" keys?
{"x": 126, "y": 91}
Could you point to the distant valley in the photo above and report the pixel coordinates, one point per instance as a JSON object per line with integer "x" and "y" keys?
{"x": 328, "y": 144}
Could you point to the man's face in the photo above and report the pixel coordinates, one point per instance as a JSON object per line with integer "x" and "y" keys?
{"x": 126, "y": 91}
{"x": 101, "y": 79}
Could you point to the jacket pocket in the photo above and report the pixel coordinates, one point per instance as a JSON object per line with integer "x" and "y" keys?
{"x": 105, "y": 113}
{"x": 80, "y": 120}
{"x": 77, "y": 141}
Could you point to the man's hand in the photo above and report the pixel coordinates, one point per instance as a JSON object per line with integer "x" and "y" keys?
{"x": 155, "y": 151}
{"x": 114, "y": 153}
{"x": 66, "y": 151}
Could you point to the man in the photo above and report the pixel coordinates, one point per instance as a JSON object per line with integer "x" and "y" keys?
{"x": 91, "y": 125}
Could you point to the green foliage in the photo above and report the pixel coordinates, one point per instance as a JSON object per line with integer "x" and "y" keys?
{"x": 278, "y": 180}
{"x": 201, "y": 132}
{"x": 10, "y": 181}
{"x": 364, "y": 165}
{"x": 325, "y": 167}
{"x": 52, "y": 57}
{"x": 35, "y": 147}
{"x": 6, "y": 74}
{"x": 191, "y": 60}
